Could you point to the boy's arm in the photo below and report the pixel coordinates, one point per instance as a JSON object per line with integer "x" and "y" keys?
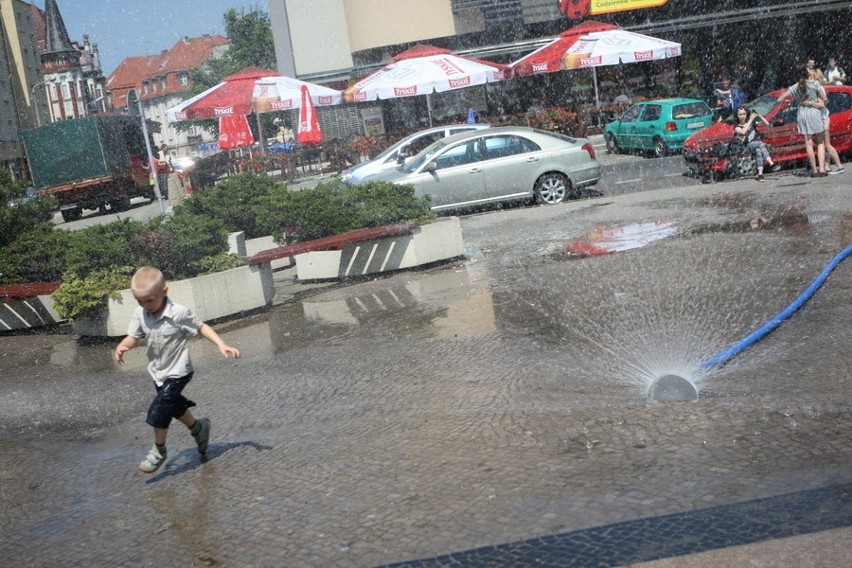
{"x": 126, "y": 345}
{"x": 210, "y": 334}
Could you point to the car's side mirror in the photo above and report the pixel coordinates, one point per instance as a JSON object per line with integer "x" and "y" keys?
{"x": 400, "y": 157}
{"x": 431, "y": 167}
{"x": 778, "y": 122}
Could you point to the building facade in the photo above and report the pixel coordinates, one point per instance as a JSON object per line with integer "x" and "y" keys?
{"x": 73, "y": 81}
{"x": 21, "y": 101}
{"x": 162, "y": 81}
{"x": 757, "y": 43}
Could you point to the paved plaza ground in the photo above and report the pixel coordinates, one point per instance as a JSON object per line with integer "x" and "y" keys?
{"x": 491, "y": 412}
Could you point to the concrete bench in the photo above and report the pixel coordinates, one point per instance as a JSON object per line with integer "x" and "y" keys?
{"x": 11, "y": 292}
{"x": 370, "y": 251}
{"x": 334, "y": 242}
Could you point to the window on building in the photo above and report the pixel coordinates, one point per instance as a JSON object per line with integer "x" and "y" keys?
{"x": 184, "y": 79}
{"x": 163, "y": 83}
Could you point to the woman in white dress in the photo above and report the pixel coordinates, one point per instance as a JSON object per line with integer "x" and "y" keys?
{"x": 811, "y": 98}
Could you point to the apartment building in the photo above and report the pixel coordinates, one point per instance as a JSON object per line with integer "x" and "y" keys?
{"x": 162, "y": 81}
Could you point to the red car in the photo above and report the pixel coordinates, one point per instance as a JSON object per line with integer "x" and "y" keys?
{"x": 709, "y": 152}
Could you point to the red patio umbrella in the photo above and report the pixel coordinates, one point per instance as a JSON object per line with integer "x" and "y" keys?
{"x": 309, "y": 133}
{"x": 234, "y": 132}
{"x": 232, "y": 96}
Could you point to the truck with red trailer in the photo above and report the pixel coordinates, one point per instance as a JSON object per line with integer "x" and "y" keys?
{"x": 93, "y": 162}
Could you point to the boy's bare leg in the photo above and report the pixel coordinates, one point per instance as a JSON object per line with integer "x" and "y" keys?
{"x": 160, "y": 436}
{"x": 188, "y": 419}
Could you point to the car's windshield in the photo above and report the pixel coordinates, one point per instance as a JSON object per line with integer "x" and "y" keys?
{"x": 690, "y": 110}
{"x": 423, "y": 157}
{"x": 762, "y": 105}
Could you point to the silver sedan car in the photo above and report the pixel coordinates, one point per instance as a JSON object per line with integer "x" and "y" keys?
{"x": 510, "y": 163}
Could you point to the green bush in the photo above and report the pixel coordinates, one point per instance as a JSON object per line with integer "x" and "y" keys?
{"x": 102, "y": 247}
{"x": 259, "y": 206}
{"x": 38, "y": 255}
{"x": 18, "y": 216}
{"x": 234, "y": 202}
{"x": 102, "y": 258}
{"x": 174, "y": 244}
{"x": 335, "y": 207}
{"x": 87, "y": 296}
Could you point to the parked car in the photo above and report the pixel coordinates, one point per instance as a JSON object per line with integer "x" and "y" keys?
{"x": 659, "y": 127}
{"x": 504, "y": 164}
{"x": 404, "y": 149}
{"x": 709, "y": 152}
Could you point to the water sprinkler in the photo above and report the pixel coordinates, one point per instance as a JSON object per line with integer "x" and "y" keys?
{"x": 672, "y": 388}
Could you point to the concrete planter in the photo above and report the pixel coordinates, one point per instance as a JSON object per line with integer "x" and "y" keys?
{"x": 433, "y": 242}
{"x": 26, "y": 313}
{"x": 211, "y": 296}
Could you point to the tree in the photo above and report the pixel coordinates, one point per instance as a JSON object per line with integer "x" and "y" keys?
{"x": 249, "y": 44}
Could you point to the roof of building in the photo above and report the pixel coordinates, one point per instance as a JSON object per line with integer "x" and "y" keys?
{"x": 186, "y": 54}
{"x": 56, "y": 35}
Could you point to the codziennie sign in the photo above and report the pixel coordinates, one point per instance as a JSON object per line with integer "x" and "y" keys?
{"x": 579, "y": 9}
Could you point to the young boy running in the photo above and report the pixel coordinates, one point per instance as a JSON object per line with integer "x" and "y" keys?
{"x": 167, "y": 325}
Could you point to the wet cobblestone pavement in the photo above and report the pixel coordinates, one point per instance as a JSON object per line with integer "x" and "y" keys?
{"x": 487, "y": 413}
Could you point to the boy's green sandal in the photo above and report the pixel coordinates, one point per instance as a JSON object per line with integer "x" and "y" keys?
{"x": 201, "y": 433}
{"x": 153, "y": 460}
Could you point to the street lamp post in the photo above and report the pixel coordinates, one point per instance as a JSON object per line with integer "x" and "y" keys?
{"x": 133, "y": 100}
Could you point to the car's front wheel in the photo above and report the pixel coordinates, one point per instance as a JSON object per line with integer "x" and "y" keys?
{"x": 611, "y": 143}
{"x": 552, "y": 188}
{"x": 743, "y": 166}
{"x": 661, "y": 149}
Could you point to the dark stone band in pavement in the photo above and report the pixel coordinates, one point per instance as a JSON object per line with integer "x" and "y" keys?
{"x": 667, "y": 536}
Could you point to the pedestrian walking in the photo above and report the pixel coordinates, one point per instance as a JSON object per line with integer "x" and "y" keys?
{"x": 166, "y": 325}
{"x": 810, "y": 96}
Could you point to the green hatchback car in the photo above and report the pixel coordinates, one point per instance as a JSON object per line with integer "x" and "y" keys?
{"x": 659, "y": 126}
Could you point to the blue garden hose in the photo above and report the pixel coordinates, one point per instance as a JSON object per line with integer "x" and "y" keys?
{"x": 769, "y": 326}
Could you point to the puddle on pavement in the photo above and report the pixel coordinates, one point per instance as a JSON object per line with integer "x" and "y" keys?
{"x": 754, "y": 214}
{"x": 606, "y": 239}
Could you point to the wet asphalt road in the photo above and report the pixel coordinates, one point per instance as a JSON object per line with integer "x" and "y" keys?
{"x": 495, "y": 400}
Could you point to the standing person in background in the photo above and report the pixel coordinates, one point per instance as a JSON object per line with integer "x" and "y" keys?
{"x": 830, "y": 150}
{"x": 810, "y": 95}
{"x": 834, "y": 75}
{"x": 729, "y": 98}
{"x": 164, "y": 169}
{"x": 814, "y": 71}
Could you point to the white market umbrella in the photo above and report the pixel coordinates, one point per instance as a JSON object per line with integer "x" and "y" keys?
{"x": 285, "y": 93}
{"x": 422, "y": 70}
{"x": 594, "y": 44}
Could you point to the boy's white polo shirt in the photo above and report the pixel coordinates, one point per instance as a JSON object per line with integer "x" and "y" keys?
{"x": 168, "y": 354}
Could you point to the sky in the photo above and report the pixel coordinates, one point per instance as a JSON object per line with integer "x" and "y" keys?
{"x": 123, "y": 28}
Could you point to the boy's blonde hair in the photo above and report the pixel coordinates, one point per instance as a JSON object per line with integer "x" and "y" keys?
{"x": 147, "y": 279}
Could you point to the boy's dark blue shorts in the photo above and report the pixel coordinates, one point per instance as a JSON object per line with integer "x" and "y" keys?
{"x": 169, "y": 402}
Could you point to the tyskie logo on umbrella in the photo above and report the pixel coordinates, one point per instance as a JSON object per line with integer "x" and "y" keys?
{"x": 223, "y": 111}
{"x": 405, "y": 91}
{"x": 458, "y": 83}
{"x": 325, "y": 100}
{"x": 281, "y": 105}
{"x": 644, "y": 55}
